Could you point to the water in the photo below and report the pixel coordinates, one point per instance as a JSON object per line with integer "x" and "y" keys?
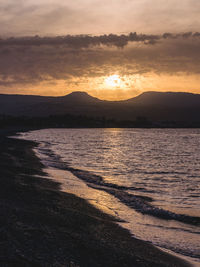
{"x": 148, "y": 177}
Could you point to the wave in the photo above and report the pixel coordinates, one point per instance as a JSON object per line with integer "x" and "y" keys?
{"x": 142, "y": 205}
{"x": 139, "y": 203}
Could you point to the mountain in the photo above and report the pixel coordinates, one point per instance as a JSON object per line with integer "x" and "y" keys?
{"x": 154, "y": 106}
{"x": 168, "y": 99}
{"x": 30, "y": 105}
{"x": 79, "y": 97}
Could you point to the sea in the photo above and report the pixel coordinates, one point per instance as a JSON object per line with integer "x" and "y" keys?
{"x": 147, "y": 178}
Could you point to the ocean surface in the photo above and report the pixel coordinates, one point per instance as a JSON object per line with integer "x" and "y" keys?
{"x": 148, "y": 178}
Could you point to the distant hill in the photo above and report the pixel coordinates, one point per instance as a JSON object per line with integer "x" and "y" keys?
{"x": 79, "y": 97}
{"x": 154, "y": 106}
{"x": 168, "y": 99}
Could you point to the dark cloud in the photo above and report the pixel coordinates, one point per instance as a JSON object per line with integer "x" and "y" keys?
{"x": 85, "y": 41}
{"x": 81, "y": 41}
{"x": 30, "y": 60}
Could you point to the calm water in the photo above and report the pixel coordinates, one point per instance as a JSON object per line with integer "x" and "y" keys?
{"x": 149, "y": 177}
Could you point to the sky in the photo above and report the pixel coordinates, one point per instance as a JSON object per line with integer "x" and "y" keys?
{"x": 112, "y": 49}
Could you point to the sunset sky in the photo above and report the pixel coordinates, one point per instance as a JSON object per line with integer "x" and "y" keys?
{"x": 111, "y": 49}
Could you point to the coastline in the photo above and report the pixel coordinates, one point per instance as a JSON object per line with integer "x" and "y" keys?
{"x": 42, "y": 226}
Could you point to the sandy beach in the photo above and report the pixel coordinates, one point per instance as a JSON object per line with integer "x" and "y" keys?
{"x": 42, "y": 226}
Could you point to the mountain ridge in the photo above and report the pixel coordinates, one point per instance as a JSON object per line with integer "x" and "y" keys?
{"x": 156, "y": 106}
{"x": 84, "y": 93}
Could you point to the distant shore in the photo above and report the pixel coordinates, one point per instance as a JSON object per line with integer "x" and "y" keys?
{"x": 42, "y": 226}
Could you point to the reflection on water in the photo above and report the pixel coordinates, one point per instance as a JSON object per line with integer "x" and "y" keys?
{"x": 161, "y": 164}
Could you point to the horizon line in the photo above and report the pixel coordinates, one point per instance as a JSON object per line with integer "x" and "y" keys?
{"x": 84, "y": 92}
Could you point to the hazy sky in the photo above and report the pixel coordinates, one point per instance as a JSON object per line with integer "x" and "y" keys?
{"x": 60, "y": 17}
{"x": 49, "y": 64}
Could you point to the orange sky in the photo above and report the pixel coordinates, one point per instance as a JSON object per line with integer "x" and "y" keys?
{"x": 97, "y": 87}
{"x": 66, "y": 60}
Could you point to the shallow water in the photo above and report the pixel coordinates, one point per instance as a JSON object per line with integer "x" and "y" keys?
{"x": 149, "y": 177}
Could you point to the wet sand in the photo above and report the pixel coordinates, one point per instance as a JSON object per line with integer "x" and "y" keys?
{"x": 42, "y": 226}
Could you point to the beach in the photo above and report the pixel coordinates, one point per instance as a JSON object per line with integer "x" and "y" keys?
{"x": 42, "y": 226}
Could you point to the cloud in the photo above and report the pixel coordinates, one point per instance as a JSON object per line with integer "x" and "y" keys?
{"x": 58, "y": 17}
{"x": 81, "y": 41}
{"x": 85, "y": 41}
{"x": 31, "y": 60}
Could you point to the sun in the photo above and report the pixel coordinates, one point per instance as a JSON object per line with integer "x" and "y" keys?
{"x": 113, "y": 81}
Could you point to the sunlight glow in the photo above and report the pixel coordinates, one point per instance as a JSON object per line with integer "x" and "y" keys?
{"x": 113, "y": 81}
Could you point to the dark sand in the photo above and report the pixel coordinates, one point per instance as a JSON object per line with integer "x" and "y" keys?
{"x": 41, "y": 226}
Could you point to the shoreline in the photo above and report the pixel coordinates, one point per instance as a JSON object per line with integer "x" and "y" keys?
{"x": 43, "y": 226}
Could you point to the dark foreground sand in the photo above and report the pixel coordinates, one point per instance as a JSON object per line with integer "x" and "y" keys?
{"x": 41, "y": 226}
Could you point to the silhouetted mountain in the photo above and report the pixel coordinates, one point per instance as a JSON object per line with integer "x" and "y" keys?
{"x": 168, "y": 99}
{"x": 151, "y": 106}
{"x": 79, "y": 97}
